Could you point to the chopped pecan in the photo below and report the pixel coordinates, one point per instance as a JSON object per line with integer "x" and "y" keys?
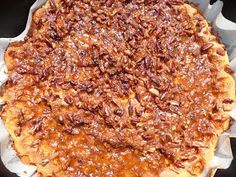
{"x": 207, "y": 46}
{"x": 118, "y": 112}
{"x": 220, "y": 51}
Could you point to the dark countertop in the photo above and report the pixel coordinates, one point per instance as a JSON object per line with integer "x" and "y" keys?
{"x": 13, "y": 16}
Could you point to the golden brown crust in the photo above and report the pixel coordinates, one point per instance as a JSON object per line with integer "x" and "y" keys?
{"x": 40, "y": 124}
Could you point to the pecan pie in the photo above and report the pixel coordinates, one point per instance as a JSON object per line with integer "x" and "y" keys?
{"x": 117, "y": 88}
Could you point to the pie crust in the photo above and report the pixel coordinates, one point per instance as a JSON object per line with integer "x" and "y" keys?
{"x": 117, "y": 88}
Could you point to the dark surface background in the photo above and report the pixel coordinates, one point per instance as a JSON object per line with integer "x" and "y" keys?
{"x": 13, "y": 16}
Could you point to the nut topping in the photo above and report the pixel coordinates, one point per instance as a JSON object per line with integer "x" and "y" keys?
{"x": 100, "y": 84}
